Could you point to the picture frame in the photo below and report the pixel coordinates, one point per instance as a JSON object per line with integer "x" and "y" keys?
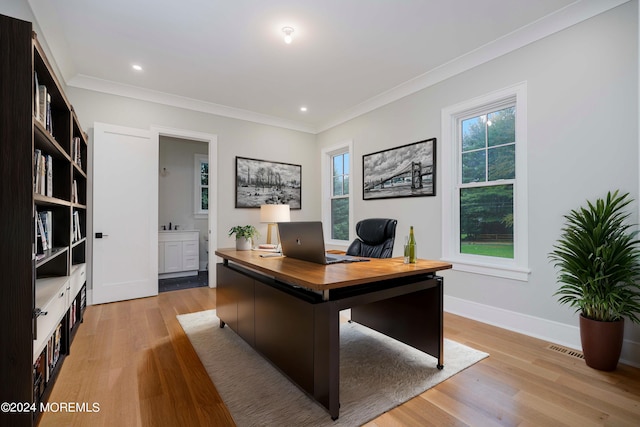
{"x": 405, "y": 171}
{"x": 260, "y": 182}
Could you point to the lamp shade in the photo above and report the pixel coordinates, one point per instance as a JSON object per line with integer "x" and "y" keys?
{"x": 274, "y": 213}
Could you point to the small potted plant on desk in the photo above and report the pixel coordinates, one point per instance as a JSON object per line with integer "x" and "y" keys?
{"x": 597, "y": 257}
{"x": 244, "y": 236}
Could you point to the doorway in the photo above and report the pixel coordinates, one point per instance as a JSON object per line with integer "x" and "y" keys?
{"x": 183, "y": 204}
{"x": 187, "y": 169}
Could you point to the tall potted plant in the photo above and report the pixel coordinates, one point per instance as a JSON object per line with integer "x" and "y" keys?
{"x": 244, "y": 236}
{"x": 597, "y": 258}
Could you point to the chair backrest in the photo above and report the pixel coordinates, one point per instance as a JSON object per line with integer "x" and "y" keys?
{"x": 375, "y": 238}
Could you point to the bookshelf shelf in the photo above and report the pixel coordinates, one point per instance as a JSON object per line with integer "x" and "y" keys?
{"x": 78, "y": 170}
{"x": 79, "y": 242}
{"x": 44, "y": 201}
{"x": 45, "y": 141}
{"x": 43, "y": 176}
{"x": 50, "y": 254}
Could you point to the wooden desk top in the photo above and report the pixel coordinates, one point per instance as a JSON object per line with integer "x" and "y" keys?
{"x": 324, "y": 277}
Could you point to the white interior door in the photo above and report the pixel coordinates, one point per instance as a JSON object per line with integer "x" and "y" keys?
{"x": 125, "y": 214}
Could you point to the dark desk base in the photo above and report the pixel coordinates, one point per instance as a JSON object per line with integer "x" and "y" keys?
{"x": 299, "y": 332}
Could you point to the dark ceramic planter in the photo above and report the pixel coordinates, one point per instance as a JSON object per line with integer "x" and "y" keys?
{"x": 601, "y": 343}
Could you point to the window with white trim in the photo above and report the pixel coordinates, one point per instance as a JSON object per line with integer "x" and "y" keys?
{"x": 485, "y": 205}
{"x": 201, "y": 184}
{"x": 337, "y": 205}
{"x": 340, "y": 196}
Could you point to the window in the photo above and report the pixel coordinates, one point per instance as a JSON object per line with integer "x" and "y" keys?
{"x": 340, "y": 197}
{"x": 484, "y": 211}
{"x": 337, "y": 183}
{"x": 201, "y": 187}
{"x": 487, "y": 176}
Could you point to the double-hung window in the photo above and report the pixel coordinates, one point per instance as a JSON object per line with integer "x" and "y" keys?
{"x": 485, "y": 209}
{"x": 201, "y": 185}
{"x": 337, "y": 189}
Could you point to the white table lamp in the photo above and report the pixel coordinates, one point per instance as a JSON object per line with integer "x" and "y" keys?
{"x": 273, "y": 214}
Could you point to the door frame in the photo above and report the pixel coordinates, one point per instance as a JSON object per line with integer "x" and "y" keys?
{"x": 212, "y": 141}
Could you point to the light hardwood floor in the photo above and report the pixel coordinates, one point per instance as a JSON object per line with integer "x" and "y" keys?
{"x": 134, "y": 360}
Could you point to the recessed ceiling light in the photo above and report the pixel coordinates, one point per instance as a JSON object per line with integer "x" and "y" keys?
{"x": 136, "y": 67}
{"x": 303, "y": 109}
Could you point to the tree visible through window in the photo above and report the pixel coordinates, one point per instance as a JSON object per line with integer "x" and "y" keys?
{"x": 201, "y": 187}
{"x": 204, "y": 186}
{"x": 340, "y": 196}
{"x": 487, "y": 177}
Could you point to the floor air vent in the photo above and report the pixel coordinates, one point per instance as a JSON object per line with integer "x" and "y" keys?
{"x": 568, "y": 351}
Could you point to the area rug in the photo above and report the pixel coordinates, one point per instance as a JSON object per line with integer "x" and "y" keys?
{"x": 377, "y": 373}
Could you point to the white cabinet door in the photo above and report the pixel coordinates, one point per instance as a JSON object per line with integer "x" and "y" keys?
{"x": 172, "y": 257}
{"x": 190, "y": 255}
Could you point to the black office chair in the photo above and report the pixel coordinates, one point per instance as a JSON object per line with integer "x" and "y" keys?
{"x": 376, "y": 237}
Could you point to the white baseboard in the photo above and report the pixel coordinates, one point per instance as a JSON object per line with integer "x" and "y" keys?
{"x": 547, "y": 330}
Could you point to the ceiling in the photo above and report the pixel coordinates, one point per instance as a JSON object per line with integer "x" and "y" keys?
{"x": 347, "y": 57}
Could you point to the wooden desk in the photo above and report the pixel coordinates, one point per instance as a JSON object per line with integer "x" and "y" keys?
{"x": 288, "y": 310}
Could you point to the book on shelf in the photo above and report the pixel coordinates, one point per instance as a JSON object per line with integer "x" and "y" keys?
{"x": 41, "y": 238}
{"x": 48, "y": 121}
{"x": 46, "y": 218}
{"x": 42, "y": 170}
{"x": 77, "y": 234}
{"x": 49, "y": 171}
{"x": 73, "y": 314}
{"x": 39, "y": 376}
{"x": 36, "y": 96}
{"x": 50, "y": 357}
{"x": 37, "y": 154}
{"x": 43, "y": 173}
{"x": 54, "y": 348}
{"x": 42, "y": 105}
{"x": 74, "y": 192}
{"x": 76, "y": 154}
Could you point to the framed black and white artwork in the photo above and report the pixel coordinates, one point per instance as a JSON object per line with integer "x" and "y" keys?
{"x": 261, "y": 182}
{"x": 405, "y": 171}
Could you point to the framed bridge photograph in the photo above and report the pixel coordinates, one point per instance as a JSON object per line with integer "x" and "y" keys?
{"x": 405, "y": 171}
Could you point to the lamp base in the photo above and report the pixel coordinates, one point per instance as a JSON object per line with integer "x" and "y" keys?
{"x": 271, "y": 234}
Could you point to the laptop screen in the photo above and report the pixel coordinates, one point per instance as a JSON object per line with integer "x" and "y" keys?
{"x": 303, "y": 240}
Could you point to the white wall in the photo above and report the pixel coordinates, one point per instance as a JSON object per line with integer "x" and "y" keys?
{"x": 235, "y": 138}
{"x": 17, "y": 9}
{"x": 582, "y": 142}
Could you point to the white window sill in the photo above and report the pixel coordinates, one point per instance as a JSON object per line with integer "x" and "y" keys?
{"x": 512, "y": 272}
{"x": 339, "y": 245}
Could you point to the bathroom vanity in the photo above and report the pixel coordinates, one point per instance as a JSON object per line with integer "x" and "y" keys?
{"x": 178, "y": 253}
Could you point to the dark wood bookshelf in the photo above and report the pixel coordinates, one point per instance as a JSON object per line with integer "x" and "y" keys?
{"x": 44, "y": 280}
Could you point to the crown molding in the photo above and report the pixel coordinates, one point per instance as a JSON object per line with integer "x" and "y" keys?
{"x": 561, "y": 19}
{"x": 106, "y": 86}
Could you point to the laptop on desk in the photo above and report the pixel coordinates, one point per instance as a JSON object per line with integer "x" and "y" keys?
{"x": 305, "y": 240}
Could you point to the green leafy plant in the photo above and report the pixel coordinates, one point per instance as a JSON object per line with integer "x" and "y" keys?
{"x": 597, "y": 257}
{"x": 246, "y": 231}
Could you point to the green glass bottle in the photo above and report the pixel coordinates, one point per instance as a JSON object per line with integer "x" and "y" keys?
{"x": 412, "y": 247}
